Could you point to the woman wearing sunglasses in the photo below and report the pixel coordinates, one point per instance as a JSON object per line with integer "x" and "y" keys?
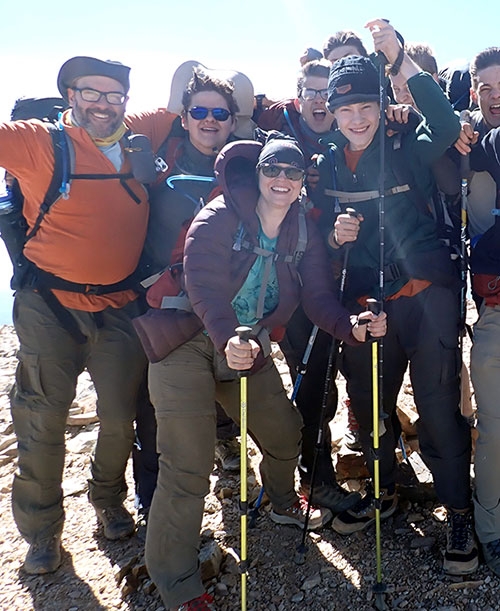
{"x": 247, "y": 261}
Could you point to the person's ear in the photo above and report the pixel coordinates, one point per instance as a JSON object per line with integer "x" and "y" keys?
{"x": 184, "y": 120}
{"x": 473, "y": 95}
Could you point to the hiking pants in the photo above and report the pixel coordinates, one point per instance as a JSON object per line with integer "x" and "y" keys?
{"x": 485, "y": 374}
{"x": 49, "y": 364}
{"x": 423, "y": 330}
{"x": 184, "y": 387}
{"x": 309, "y": 398}
{"x": 144, "y": 454}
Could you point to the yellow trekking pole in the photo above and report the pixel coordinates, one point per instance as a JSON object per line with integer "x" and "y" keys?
{"x": 244, "y": 334}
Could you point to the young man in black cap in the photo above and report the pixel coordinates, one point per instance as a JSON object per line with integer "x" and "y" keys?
{"x": 72, "y": 309}
{"x": 419, "y": 282}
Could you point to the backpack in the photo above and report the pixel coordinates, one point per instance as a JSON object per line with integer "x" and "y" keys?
{"x": 14, "y": 228}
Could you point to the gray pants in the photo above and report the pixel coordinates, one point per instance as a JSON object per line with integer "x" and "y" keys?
{"x": 485, "y": 374}
{"x": 184, "y": 387}
{"x": 49, "y": 364}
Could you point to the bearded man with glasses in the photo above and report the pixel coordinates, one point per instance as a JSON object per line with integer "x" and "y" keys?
{"x": 72, "y": 310}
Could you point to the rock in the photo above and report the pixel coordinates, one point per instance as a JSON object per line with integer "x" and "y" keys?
{"x": 210, "y": 560}
{"x": 7, "y": 441}
{"x": 350, "y": 465}
{"x": 221, "y": 589}
{"x": 83, "y": 443}
{"x": 72, "y": 486}
{"x": 297, "y": 598}
{"x": 10, "y": 451}
{"x": 414, "y": 518}
{"x": 225, "y": 493}
{"x": 420, "y": 542}
{"x": 311, "y": 582}
{"x": 82, "y": 419}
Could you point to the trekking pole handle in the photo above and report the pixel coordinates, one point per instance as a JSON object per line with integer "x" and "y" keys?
{"x": 374, "y": 306}
{"x": 243, "y": 332}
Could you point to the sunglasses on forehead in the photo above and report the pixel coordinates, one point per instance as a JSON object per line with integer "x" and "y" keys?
{"x": 201, "y": 112}
{"x": 273, "y": 170}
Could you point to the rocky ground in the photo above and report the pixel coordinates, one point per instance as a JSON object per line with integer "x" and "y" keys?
{"x": 338, "y": 575}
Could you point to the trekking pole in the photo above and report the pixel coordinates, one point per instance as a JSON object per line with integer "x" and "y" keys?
{"x": 244, "y": 334}
{"x": 377, "y": 306}
{"x": 379, "y": 587}
{"x": 300, "y": 556}
{"x": 465, "y": 405}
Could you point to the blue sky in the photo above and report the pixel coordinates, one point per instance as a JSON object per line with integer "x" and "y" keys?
{"x": 263, "y": 39}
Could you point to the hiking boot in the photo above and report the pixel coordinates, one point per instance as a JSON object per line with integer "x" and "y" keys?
{"x": 202, "y": 603}
{"x": 142, "y": 523}
{"x": 331, "y": 496}
{"x": 295, "y": 515}
{"x": 117, "y": 522}
{"x": 351, "y": 435}
{"x": 44, "y": 556}
{"x": 363, "y": 514}
{"x": 461, "y": 556}
{"x": 491, "y": 553}
{"x": 227, "y": 454}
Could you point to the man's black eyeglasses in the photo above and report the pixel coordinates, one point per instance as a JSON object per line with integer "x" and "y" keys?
{"x": 309, "y": 94}
{"x": 93, "y": 95}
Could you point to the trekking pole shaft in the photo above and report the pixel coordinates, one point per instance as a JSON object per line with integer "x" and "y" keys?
{"x": 244, "y": 334}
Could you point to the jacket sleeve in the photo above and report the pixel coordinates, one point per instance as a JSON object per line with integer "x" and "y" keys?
{"x": 440, "y": 127}
{"x": 485, "y": 156}
{"x": 318, "y": 298}
{"x": 207, "y": 271}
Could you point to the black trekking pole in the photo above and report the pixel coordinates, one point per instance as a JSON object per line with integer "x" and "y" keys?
{"x": 300, "y": 556}
{"x": 379, "y": 415}
{"x": 244, "y": 334}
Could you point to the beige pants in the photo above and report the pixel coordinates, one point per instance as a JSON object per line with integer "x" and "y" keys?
{"x": 184, "y": 387}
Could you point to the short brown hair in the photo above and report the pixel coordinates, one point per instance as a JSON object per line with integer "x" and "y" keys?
{"x": 423, "y": 56}
{"x": 484, "y": 59}
{"x": 344, "y": 38}
{"x": 318, "y": 67}
{"x": 202, "y": 81}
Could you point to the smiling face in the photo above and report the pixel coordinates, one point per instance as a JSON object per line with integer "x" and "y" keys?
{"x": 208, "y": 135}
{"x": 100, "y": 119}
{"x": 358, "y": 123}
{"x": 486, "y": 93}
{"x": 278, "y": 193}
{"x": 315, "y": 114}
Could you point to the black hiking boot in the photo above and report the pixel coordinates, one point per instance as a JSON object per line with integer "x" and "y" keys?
{"x": 44, "y": 556}
{"x": 116, "y": 521}
{"x": 461, "y": 556}
{"x": 331, "y": 496}
{"x": 363, "y": 514}
{"x": 491, "y": 553}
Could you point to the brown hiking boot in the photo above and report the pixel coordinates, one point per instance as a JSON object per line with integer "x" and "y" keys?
{"x": 295, "y": 515}
{"x": 44, "y": 556}
{"x": 362, "y": 515}
{"x": 117, "y": 522}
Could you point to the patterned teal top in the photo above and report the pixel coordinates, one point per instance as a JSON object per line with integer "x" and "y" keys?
{"x": 245, "y": 302}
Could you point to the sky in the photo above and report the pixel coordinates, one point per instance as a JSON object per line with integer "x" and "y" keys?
{"x": 263, "y": 38}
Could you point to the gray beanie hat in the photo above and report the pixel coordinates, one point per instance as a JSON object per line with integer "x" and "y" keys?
{"x": 90, "y": 66}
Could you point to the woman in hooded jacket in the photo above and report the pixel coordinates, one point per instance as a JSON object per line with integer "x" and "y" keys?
{"x": 251, "y": 256}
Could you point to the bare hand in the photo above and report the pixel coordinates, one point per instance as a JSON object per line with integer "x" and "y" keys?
{"x": 384, "y": 38}
{"x": 346, "y": 228}
{"x": 398, "y": 112}
{"x": 377, "y": 325}
{"x": 240, "y": 354}
{"x": 466, "y": 139}
{"x": 312, "y": 176}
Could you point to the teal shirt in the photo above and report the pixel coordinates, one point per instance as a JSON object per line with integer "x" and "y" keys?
{"x": 245, "y": 302}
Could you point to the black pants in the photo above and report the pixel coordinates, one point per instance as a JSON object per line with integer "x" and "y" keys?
{"x": 310, "y": 396}
{"x": 422, "y": 330}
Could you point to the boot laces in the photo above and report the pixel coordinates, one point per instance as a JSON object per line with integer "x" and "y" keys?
{"x": 460, "y": 530}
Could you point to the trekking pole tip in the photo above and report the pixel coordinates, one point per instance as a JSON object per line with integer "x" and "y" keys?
{"x": 300, "y": 555}
{"x": 379, "y": 589}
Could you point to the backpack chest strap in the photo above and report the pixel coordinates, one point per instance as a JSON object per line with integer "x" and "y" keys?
{"x": 353, "y": 197}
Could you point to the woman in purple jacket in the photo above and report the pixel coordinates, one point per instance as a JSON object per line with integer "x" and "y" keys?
{"x": 251, "y": 256}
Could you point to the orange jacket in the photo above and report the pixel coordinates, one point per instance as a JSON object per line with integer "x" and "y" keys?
{"x": 97, "y": 234}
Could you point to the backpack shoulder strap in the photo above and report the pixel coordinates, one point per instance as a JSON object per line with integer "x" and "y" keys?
{"x": 64, "y": 160}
